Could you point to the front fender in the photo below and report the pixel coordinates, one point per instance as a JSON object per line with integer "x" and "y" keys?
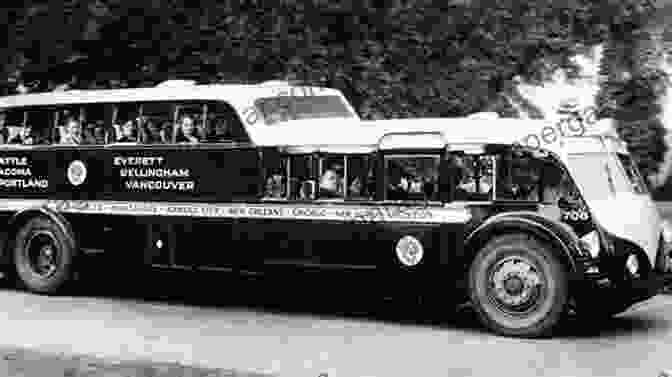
{"x": 565, "y": 244}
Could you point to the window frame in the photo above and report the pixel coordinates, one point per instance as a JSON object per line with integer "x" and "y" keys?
{"x": 439, "y": 156}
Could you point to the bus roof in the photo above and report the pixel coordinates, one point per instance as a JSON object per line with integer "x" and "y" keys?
{"x": 241, "y": 96}
{"x": 529, "y": 132}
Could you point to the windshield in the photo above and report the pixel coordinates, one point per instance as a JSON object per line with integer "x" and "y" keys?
{"x": 598, "y": 174}
{"x": 282, "y": 108}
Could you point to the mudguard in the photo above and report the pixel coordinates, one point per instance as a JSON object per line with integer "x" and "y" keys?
{"x": 20, "y": 217}
{"x": 567, "y": 244}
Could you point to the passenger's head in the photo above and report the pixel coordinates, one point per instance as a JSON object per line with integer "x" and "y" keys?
{"x": 356, "y": 187}
{"x": 153, "y": 128}
{"x": 128, "y": 129}
{"x": 99, "y": 134}
{"x": 74, "y": 128}
{"x": 330, "y": 180}
{"x": 26, "y": 130}
{"x": 221, "y": 128}
{"x": 187, "y": 126}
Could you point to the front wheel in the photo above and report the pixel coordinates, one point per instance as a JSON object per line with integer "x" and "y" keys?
{"x": 43, "y": 256}
{"x": 518, "y": 286}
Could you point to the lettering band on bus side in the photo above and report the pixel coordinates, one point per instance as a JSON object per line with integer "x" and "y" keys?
{"x": 385, "y": 213}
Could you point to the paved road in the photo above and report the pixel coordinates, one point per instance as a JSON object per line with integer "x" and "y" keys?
{"x": 221, "y": 324}
{"x": 367, "y": 338}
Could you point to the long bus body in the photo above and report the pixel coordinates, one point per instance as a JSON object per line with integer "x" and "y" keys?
{"x": 246, "y": 178}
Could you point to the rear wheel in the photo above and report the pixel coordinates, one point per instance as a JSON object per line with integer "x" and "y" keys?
{"x": 518, "y": 286}
{"x": 43, "y": 255}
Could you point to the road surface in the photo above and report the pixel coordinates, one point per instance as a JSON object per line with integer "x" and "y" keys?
{"x": 145, "y": 321}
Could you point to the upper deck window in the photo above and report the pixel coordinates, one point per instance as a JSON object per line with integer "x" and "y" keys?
{"x": 210, "y": 122}
{"x": 283, "y": 108}
{"x": 157, "y": 122}
{"x": 127, "y": 123}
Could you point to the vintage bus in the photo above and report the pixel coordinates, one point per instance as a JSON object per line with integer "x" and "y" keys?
{"x": 284, "y": 180}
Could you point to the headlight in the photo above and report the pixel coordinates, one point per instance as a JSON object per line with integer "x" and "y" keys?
{"x": 632, "y": 264}
{"x": 591, "y": 242}
{"x": 666, "y": 231}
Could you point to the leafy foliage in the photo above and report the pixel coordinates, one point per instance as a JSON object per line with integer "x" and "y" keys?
{"x": 632, "y": 85}
{"x": 403, "y": 58}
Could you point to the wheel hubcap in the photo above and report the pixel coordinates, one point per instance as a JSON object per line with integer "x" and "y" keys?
{"x": 515, "y": 284}
{"x": 42, "y": 254}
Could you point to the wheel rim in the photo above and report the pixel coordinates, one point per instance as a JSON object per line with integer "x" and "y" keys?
{"x": 42, "y": 254}
{"x": 516, "y": 286}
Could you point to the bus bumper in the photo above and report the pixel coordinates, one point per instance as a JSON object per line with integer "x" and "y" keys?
{"x": 603, "y": 293}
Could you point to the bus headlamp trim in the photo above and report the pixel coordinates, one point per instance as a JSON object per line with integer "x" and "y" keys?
{"x": 632, "y": 265}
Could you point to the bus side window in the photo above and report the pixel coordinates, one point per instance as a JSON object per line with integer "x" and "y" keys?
{"x": 63, "y": 114}
{"x": 412, "y": 177}
{"x": 97, "y": 124}
{"x": 519, "y": 177}
{"x": 157, "y": 122}
{"x": 222, "y": 124}
{"x": 37, "y": 127}
{"x": 275, "y": 175}
{"x": 475, "y": 173}
{"x": 301, "y": 184}
{"x": 14, "y": 119}
{"x": 126, "y": 123}
{"x": 359, "y": 182}
{"x": 189, "y": 125}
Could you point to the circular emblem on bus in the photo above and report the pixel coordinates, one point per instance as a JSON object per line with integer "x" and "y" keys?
{"x": 409, "y": 251}
{"x": 77, "y": 172}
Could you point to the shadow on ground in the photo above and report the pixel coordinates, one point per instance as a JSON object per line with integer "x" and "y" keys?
{"x": 323, "y": 298}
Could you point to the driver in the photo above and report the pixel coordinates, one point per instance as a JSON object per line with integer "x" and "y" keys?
{"x": 556, "y": 184}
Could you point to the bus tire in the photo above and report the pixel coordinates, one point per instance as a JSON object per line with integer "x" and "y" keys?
{"x": 43, "y": 256}
{"x": 518, "y": 286}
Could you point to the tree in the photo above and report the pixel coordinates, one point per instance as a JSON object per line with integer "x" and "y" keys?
{"x": 394, "y": 59}
{"x": 631, "y": 86}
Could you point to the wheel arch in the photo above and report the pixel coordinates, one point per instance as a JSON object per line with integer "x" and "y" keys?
{"x": 508, "y": 224}
{"x": 22, "y": 217}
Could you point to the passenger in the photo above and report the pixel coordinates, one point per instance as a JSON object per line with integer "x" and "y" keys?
{"x": 4, "y": 131}
{"x": 556, "y": 185}
{"x": 463, "y": 183}
{"x": 166, "y": 132}
{"x": 88, "y": 133}
{"x": 99, "y": 134}
{"x": 275, "y": 187}
{"x": 129, "y": 133}
{"x": 25, "y": 136}
{"x": 221, "y": 132}
{"x": 153, "y": 133}
{"x": 356, "y": 188}
{"x": 187, "y": 131}
{"x": 331, "y": 183}
{"x": 73, "y": 133}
